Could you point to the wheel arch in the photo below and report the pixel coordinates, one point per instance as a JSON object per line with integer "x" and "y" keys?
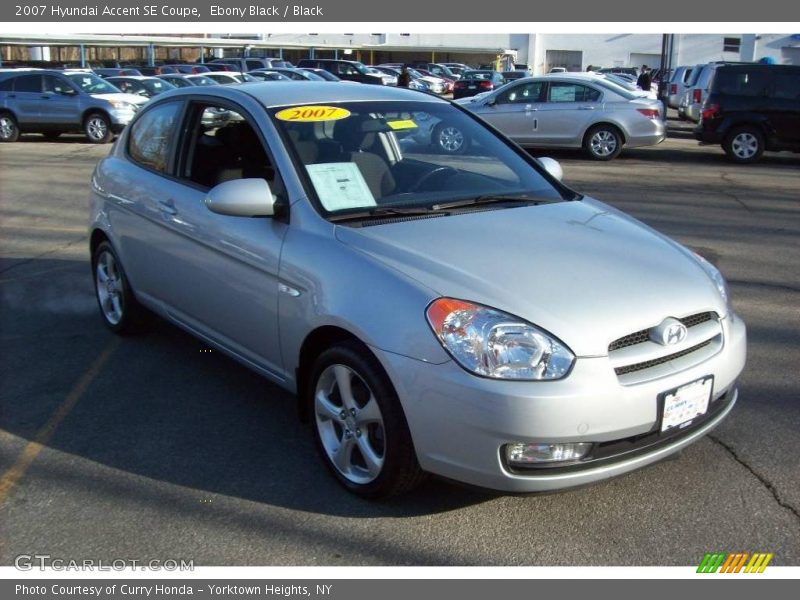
{"x": 607, "y": 123}
{"x": 315, "y": 343}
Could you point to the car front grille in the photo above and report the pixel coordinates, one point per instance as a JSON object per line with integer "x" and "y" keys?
{"x": 635, "y": 358}
{"x": 644, "y": 335}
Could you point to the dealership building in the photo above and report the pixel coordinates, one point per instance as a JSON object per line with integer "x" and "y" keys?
{"x": 541, "y": 51}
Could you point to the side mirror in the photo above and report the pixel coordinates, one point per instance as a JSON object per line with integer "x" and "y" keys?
{"x": 241, "y": 198}
{"x": 552, "y": 166}
{"x": 491, "y": 101}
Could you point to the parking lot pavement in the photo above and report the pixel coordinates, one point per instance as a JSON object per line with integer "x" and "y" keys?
{"x": 151, "y": 447}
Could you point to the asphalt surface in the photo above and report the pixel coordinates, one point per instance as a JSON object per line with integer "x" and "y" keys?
{"x": 150, "y": 448}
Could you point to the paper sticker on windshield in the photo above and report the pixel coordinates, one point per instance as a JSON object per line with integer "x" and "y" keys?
{"x": 312, "y": 114}
{"x": 340, "y": 186}
{"x": 404, "y": 124}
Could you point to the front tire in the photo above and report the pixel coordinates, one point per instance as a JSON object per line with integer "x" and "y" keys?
{"x": 744, "y": 145}
{"x": 603, "y": 142}
{"x": 120, "y": 310}
{"x": 9, "y": 130}
{"x": 359, "y": 426}
{"x": 97, "y": 128}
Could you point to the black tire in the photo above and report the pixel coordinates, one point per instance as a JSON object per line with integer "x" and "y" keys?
{"x": 97, "y": 128}
{"x": 744, "y": 144}
{"x": 9, "y": 129}
{"x": 51, "y": 135}
{"x": 449, "y": 139}
{"x": 400, "y": 471}
{"x": 603, "y": 142}
{"x": 131, "y": 312}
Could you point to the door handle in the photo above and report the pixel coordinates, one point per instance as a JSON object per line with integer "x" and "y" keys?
{"x": 586, "y": 108}
{"x": 530, "y": 108}
{"x": 167, "y": 207}
{"x": 45, "y": 97}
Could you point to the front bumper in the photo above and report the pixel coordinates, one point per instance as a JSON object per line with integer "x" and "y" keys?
{"x": 460, "y": 422}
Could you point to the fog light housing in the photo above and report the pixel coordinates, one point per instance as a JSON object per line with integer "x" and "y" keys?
{"x": 521, "y": 454}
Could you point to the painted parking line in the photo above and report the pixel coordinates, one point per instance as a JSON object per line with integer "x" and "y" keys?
{"x": 17, "y": 471}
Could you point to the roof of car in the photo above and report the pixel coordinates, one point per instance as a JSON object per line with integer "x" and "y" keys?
{"x": 313, "y": 92}
{"x": 136, "y": 77}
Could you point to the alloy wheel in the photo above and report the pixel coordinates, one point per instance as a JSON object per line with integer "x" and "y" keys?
{"x": 603, "y": 143}
{"x": 97, "y": 128}
{"x": 7, "y": 128}
{"x": 451, "y": 139}
{"x": 350, "y": 424}
{"x": 109, "y": 287}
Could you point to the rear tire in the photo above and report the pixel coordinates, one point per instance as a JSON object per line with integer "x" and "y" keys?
{"x": 9, "y": 130}
{"x": 120, "y": 310}
{"x": 359, "y": 426}
{"x": 744, "y": 145}
{"x": 97, "y": 128}
{"x": 603, "y": 142}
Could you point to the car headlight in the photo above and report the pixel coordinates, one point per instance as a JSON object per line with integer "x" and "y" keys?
{"x": 494, "y": 344}
{"x": 119, "y": 104}
{"x": 718, "y": 280}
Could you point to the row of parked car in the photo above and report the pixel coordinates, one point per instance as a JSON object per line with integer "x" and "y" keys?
{"x": 746, "y": 108}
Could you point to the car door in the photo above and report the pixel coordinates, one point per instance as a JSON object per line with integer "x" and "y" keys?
{"x": 570, "y": 108}
{"x": 219, "y": 274}
{"x": 784, "y": 102}
{"x": 61, "y": 101}
{"x": 26, "y": 99}
{"x": 515, "y": 111}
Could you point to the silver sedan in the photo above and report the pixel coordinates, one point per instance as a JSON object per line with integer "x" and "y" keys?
{"x": 464, "y": 315}
{"x": 569, "y": 111}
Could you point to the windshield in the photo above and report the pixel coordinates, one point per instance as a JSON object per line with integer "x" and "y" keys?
{"x": 361, "y": 68}
{"x": 92, "y": 84}
{"x": 155, "y": 87}
{"x": 202, "y": 80}
{"x": 368, "y": 155}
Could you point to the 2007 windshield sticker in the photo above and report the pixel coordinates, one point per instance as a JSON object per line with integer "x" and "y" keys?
{"x": 312, "y": 114}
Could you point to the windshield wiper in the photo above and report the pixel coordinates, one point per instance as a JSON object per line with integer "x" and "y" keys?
{"x": 382, "y": 212}
{"x": 491, "y": 199}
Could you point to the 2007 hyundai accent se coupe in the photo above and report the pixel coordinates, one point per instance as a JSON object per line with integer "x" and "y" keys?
{"x": 468, "y": 316}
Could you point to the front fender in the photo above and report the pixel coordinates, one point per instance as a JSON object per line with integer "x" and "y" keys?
{"x": 332, "y": 284}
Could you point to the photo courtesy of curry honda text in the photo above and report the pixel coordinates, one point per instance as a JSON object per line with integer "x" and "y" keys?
{"x": 463, "y": 315}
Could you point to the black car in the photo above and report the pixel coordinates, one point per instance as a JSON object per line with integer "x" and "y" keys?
{"x": 475, "y": 82}
{"x": 349, "y": 70}
{"x": 751, "y": 108}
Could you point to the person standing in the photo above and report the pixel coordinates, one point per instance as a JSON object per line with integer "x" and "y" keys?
{"x": 645, "y": 80}
{"x": 404, "y": 80}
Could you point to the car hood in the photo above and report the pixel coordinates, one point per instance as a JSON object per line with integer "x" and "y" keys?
{"x": 581, "y": 270}
{"x": 122, "y": 97}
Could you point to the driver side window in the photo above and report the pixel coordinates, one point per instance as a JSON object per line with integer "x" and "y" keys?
{"x": 222, "y": 146}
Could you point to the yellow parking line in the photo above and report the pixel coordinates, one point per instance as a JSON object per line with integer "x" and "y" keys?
{"x": 34, "y": 447}
{"x": 56, "y": 228}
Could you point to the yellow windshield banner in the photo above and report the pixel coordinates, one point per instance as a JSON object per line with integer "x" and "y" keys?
{"x": 312, "y": 114}
{"x": 404, "y": 124}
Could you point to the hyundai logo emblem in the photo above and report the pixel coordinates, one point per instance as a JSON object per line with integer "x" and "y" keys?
{"x": 669, "y": 332}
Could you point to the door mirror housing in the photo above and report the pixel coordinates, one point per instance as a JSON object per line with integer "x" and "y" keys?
{"x": 241, "y": 198}
{"x": 552, "y": 166}
{"x": 491, "y": 101}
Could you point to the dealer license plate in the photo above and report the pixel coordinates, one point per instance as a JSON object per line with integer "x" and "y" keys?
{"x": 686, "y": 403}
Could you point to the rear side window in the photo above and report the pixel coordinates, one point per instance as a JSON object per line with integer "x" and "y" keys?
{"x": 572, "y": 92}
{"x": 254, "y": 64}
{"x": 150, "y": 136}
{"x": 742, "y": 83}
{"x": 787, "y": 85}
{"x": 29, "y": 83}
{"x": 7, "y": 85}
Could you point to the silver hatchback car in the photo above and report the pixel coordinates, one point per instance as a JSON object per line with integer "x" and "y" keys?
{"x": 468, "y": 316}
{"x": 568, "y": 111}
